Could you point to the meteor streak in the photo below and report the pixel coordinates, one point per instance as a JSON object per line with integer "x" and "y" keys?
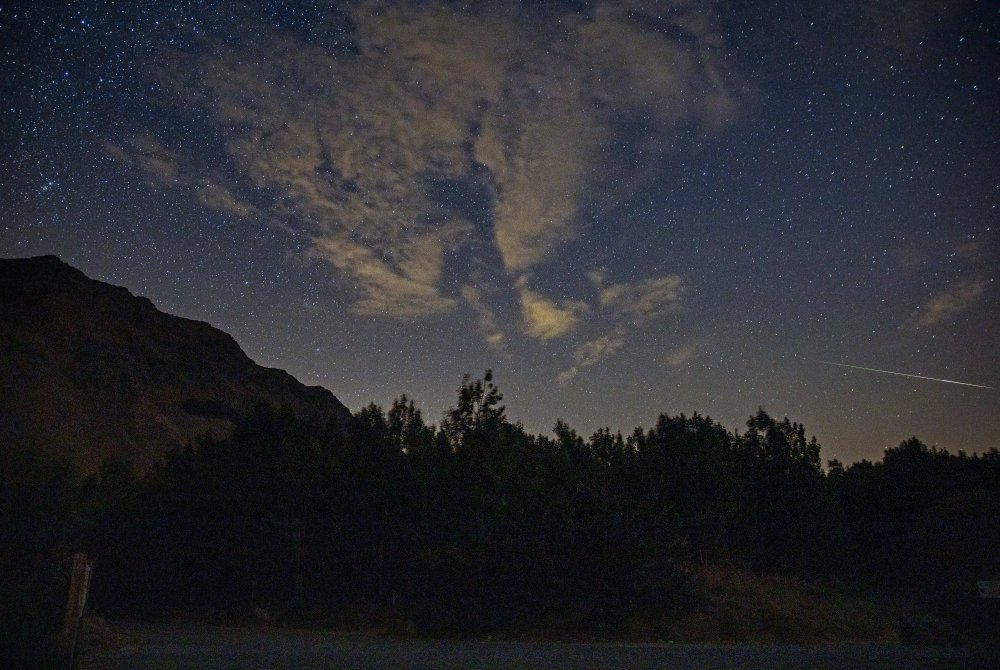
{"x": 905, "y": 374}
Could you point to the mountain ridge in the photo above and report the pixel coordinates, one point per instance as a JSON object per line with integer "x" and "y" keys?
{"x": 88, "y": 370}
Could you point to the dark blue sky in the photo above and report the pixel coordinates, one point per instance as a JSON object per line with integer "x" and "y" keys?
{"x": 623, "y": 208}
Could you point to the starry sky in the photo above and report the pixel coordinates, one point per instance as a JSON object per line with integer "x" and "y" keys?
{"x": 621, "y": 207}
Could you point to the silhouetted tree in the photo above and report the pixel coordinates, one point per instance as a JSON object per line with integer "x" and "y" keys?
{"x": 476, "y": 526}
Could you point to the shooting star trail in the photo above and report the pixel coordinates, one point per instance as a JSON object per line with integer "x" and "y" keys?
{"x": 905, "y": 374}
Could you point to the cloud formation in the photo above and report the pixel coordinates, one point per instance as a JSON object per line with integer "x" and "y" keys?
{"x": 486, "y": 319}
{"x": 217, "y": 196}
{"x": 522, "y": 102}
{"x": 591, "y": 353}
{"x": 545, "y": 319}
{"x": 679, "y": 357}
{"x": 629, "y": 305}
{"x": 948, "y": 304}
{"x": 384, "y": 290}
{"x": 641, "y": 301}
{"x": 158, "y": 163}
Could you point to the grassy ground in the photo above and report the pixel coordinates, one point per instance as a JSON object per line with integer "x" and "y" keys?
{"x": 733, "y": 607}
{"x": 99, "y": 644}
{"x": 743, "y": 607}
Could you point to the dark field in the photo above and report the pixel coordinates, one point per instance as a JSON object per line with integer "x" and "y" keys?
{"x": 189, "y": 646}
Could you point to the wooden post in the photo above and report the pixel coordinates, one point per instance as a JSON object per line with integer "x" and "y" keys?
{"x": 79, "y": 585}
{"x": 299, "y": 585}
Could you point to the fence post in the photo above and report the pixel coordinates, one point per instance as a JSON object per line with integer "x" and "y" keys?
{"x": 79, "y": 584}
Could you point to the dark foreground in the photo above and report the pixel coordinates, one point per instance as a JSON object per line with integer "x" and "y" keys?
{"x": 189, "y": 646}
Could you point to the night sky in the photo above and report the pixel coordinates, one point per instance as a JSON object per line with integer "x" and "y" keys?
{"x": 622, "y": 208}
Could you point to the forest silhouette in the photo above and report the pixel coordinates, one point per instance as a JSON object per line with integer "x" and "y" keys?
{"x": 475, "y": 527}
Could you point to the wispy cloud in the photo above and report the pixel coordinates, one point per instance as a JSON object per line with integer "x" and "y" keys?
{"x": 643, "y": 300}
{"x": 591, "y": 353}
{"x": 488, "y": 95}
{"x": 486, "y": 319}
{"x": 384, "y": 291}
{"x": 215, "y": 195}
{"x": 630, "y": 306}
{"x": 971, "y": 249}
{"x": 158, "y": 163}
{"x": 679, "y": 357}
{"x": 948, "y": 304}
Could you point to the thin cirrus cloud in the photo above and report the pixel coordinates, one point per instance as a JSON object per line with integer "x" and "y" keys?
{"x": 486, "y": 319}
{"x": 158, "y": 163}
{"x": 591, "y": 353}
{"x": 630, "y": 305}
{"x": 407, "y": 293}
{"x": 948, "y": 304}
{"x": 346, "y": 149}
{"x": 643, "y": 300}
{"x": 680, "y": 356}
{"x": 220, "y": 197}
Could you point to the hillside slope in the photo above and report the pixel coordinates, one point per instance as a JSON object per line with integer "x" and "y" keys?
{"x": 89, "y": 370}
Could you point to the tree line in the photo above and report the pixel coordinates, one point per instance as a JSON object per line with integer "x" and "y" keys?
{"x": 473, "y": 526}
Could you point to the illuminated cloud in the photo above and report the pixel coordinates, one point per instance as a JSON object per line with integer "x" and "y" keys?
{"x": 159, "y": 164}
{"x": 948, "y": 304}
{"x": 545, "y": 319}
{"x": 679, "y": 357}
{"x": 971, "y": 250}
{"x": 591, "y": 353}
{"x": 643, "y": 300}
{"x": 348, "y": 149}
{"x": 630, "y": 305}
{"x": 385, "y": 291}
{"x": 217, "y": 196}
{"x": 566, "y": 376}
{"x": 486, "y": 320}
{"x": 666, "y": 61}
{"x": 349, "y": 159}
{"x": 627, "y": 66}
{"x": 540, "y": 148}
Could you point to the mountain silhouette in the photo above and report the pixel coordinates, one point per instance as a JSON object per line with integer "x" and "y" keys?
{"x": 87, "y": 370}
